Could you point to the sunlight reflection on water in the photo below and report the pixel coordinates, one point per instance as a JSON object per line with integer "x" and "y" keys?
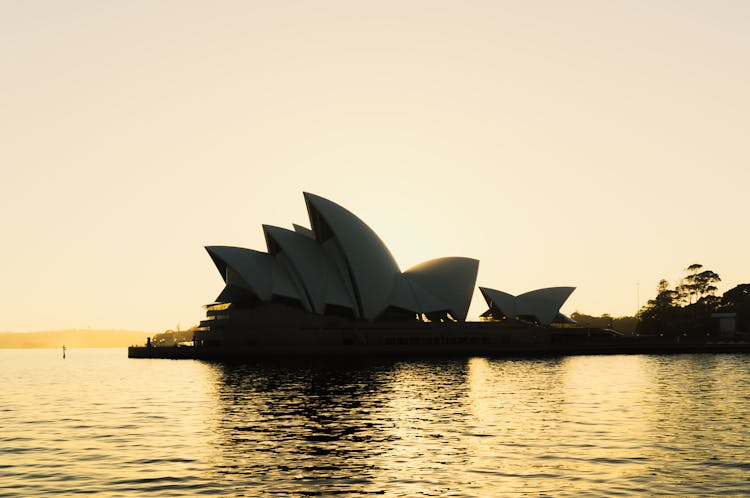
{"x": 597, "y": 426}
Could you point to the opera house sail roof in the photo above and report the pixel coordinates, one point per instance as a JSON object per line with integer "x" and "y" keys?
{"x": 541, "y": 305}
{"x": 339, "y": 267}
{"x": 340, "y": 264}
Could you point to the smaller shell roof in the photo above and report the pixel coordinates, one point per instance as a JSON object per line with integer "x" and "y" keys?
{"x": 256, "y": 271}
{"x": 502, "y": 301}
{"x": 253, "y": 267}
{"x": 449, "y": 281}
{"x": 544, "y": 304}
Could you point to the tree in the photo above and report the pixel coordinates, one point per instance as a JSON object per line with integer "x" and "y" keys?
{"x": 698, "y": 283}
{"x": 736, "y": 296}
{"x": 686, "y": 309}
{"x": 737, "y": 300}
{"x": 665, "y": 297}
{"x": 656, "y": 314}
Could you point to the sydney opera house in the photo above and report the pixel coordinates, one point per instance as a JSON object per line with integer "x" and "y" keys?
{"x": 335, "y": 285}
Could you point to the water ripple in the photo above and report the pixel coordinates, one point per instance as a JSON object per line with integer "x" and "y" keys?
{"x": 98, "y": 423}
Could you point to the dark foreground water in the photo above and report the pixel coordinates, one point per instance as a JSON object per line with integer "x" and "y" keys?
{"x": 100, "y": 423}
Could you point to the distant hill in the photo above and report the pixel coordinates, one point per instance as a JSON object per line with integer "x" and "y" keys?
{"x": 72, "y": 338}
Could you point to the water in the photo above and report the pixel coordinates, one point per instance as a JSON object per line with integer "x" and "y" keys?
{"x": 99, "y": 423}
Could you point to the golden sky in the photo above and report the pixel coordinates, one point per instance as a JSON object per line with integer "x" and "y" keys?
{"x": 597, "y": 144}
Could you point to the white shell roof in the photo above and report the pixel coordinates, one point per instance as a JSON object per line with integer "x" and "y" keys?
{"x": 413, "y": 297}
{"x": 544, "y": 304}
{"x": 371, "y": 265}
{"x": 282, "y": 284}
{"x": 403, "y": 295}
{"x": 256, "y": 271}
{"x": 253, "y": 267}
{"x": 315, "y": 272}
{"x": 504, "y": 302}
{"x": 303, "y": 230}
{"x": 449, "y": 281}
{"x": 342, "y": 262}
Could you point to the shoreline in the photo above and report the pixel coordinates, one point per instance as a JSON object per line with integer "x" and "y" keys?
{"x": 525, "y": 350}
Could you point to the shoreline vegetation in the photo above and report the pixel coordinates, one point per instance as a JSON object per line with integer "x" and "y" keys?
{"x": 693, "y": 310}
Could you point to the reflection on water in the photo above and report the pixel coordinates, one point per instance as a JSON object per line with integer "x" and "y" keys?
{"x": 287, "y": 427}
{"x": 597, "y": 426}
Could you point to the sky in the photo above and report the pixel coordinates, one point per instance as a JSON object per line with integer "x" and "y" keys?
{"x": 597, "y": 144}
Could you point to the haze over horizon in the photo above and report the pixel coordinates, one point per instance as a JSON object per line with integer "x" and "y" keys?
{"x": 87, "y": 338}
{"x": 601, "y": 145}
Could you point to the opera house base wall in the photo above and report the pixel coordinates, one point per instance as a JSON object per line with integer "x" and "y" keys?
{"x": 278, "y": 330}
{"x": 505, "y": 350}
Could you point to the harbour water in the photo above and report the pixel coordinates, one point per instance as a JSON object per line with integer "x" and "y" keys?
{"x": 100, "y": 423}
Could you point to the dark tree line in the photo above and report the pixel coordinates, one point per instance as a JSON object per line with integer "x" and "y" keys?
{"x": 686, "y": 309}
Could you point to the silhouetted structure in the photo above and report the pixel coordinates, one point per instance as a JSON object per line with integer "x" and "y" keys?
{"x": 335, "y": 288}
{"x": 337, "y": 277}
